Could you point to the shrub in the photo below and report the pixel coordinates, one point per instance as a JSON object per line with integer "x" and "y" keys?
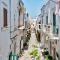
{"x": 21, "y": 53}
{"x": 35, "y": 54}
{"x": 48, "y": 57}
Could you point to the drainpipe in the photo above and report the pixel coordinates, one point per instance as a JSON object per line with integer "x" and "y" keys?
{"x": 10, "y": 18}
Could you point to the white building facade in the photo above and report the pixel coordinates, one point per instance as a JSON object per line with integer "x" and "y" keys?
{"x": 11, "y": 27}
{"x": 4, "y": 30}
{"x": 51, "y": 28}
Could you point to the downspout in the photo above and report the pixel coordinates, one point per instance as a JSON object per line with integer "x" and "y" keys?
{"x": 10, "y": 17}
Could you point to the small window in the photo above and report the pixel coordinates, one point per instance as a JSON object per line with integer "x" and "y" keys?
{"x": 5, "y": 17}
{"x": 21, "y": 37}
{"x": 54, "y": 19}
{"x": 47, "y": 20}
{"x": 40, "y": 22}
{"x": 19, "y": 2}
{"x": 56, "y": 41}
{"x": 10, "y": 46}
{"x": 39, "y": 27}
{"x": 19, "y": 20}
{"x": 57, "y": 31}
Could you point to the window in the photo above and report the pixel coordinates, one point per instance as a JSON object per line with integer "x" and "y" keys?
{"x": 39, "y": 27}
{"x": 5, "y": 17}
{"x": 27, "y": 14}
{"x": 40, "y": 22}
{"x": 19, "y": 3}
{"x": 47, "y": 20}
{"x": 22, "y": 37}
{"x": 42, "y": 19}
{"x": 20, "y": 46}
{"x": 56, "y": 41}
{"x": 19, "y": 12}
{"x": 10, "y": 46}
{"x": 57, "y": 31}
{"x": 54, "y": 23}
{"x": 54, "y": 19}
{"x": 19, "y": 20}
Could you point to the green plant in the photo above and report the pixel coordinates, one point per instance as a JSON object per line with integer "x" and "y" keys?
{"x": 21, "y": 53}
{"x": 38, "y": 58}
{"x": 48, "y": 57}
{"x": 35, "y": 54}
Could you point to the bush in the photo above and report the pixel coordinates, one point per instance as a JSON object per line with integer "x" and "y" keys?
{"x": 21, "y": 53}
{"x": 35, "y": 54}
{"x": 45, "y": 53}
{"x": 38, "y": 58}
{"x": 48, "y": 57}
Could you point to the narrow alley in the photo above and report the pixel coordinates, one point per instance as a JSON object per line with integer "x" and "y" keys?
{"x": 29, "y": 29}
{"x": 32, "y": 42}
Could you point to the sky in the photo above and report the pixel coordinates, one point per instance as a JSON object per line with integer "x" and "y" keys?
{"x": 33, "y": 6}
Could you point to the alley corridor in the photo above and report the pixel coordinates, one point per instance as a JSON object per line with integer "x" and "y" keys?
{"x": 32, "y": 42}
{"x": 29, "y": 29}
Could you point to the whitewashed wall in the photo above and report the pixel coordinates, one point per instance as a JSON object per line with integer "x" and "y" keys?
{"x": 4, "y": 32}
{"x": 14, "y": 23}
{"x": 50, "y": 9}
